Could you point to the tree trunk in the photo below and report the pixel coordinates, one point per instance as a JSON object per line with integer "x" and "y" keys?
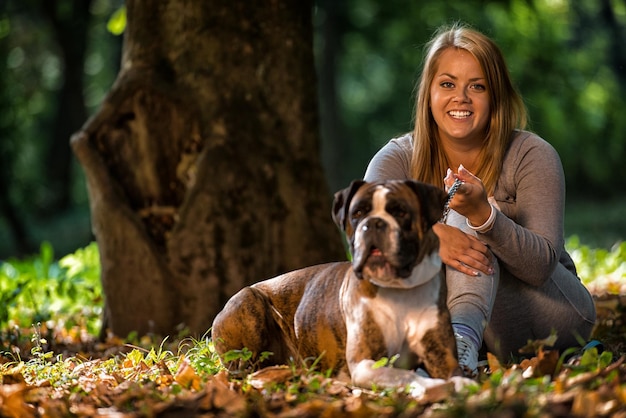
{"x": 202, "y": 164}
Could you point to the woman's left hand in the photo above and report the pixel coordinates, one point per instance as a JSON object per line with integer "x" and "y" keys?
{"x": 470, "y": 199}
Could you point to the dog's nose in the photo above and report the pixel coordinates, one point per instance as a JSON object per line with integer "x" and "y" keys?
{"x": 374, "y": 223}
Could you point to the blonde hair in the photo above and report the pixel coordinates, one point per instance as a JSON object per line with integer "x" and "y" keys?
{"x": 429, "y": 162}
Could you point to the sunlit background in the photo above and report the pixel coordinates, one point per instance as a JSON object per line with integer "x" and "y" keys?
{"x": 567, "y": 57}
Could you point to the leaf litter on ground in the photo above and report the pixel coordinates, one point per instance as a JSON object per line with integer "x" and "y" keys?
{"x": 163, "y": 378}
{"x": 59, "y": 368}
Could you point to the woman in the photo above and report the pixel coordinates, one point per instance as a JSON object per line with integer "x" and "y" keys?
{"x": 510, "y": 279}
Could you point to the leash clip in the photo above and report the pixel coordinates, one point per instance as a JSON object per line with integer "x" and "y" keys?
{"x": 451, "y": 192}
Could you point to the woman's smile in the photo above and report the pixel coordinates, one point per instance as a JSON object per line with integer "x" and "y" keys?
{"x": 460, "y": 114}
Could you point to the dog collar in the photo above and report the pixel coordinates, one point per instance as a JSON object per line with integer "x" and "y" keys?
{"x": 422, "y": 273}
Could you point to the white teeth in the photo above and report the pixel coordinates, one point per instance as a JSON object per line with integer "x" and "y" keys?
{"x": 459, "y": 113}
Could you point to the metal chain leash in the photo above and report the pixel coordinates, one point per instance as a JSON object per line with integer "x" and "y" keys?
{"x": 451, "y": 192}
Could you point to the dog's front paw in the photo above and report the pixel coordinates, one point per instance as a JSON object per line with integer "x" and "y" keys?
{"x": 461, "y": 382}
{"x": 428, "y": 388}
{"x": 416, "y": 390}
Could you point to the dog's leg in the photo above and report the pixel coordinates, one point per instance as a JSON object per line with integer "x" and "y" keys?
{"x": 366, "y": 342}
{"x": 249, "y": 320}
{"x": 438, "y": 343}
{"x": 439, "y": 347}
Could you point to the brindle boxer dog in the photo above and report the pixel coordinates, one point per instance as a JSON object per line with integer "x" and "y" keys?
{"x": 391, "y": 300}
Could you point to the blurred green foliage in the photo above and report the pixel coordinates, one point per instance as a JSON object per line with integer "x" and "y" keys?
{"x": 117, "y": 23}
{"x": 602, "y": 270}
{"x": 38, "y": 289}
{"x": 567, "y": 58}
{"x": 32, "y": 75}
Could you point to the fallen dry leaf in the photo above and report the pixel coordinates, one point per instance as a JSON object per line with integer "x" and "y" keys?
{"x": 12, "y": 402}
{"x": 270, "y": 375}
{"x": 186, "y": 376}
{"x": 493, "y": 363}
{"x": 218, "y": 395}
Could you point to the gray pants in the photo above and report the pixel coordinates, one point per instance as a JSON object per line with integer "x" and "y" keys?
{"x": 508, "y": 313}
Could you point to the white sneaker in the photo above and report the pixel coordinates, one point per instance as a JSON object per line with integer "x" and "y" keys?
{"x": 468, "y": 356}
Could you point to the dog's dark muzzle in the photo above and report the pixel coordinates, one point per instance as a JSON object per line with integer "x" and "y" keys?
{"x": 374, "y": 244}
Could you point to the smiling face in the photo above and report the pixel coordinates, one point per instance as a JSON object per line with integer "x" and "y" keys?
{"x": 459, "y": 98}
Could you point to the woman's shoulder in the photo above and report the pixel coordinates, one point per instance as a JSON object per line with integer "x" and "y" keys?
{"x": 403, "y": 142}
{"x": 399, "y": 146}
{"x": 530, "y": 153}
{"x": 526, "y": 142}
{"x": 392, "y": 161}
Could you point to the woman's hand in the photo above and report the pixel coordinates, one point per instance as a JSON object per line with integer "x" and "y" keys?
{"x": 463, "y": 252}
{"x": 470, "y": 199}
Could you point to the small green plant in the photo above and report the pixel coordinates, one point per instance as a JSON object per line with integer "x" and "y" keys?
{"x": 149, "y": 357}
{"x": 22, "y": 285}
{"x": 240, "y": 361}
{"x": 590, "y": 361}
{"x": 385, "y": 362}
{"x": 201, "y": 355}
{"x": 43, "y": 366}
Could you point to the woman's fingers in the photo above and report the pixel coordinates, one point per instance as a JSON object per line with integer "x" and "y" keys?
{"x": 476, "y": 261}
{"x": 471, "y": 183}
{"x": 448, "y": 180}
{"x": 463, "y": 252}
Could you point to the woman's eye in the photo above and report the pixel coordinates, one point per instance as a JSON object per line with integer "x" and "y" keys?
{"x": 447, "y": 85}
{"x": 479, "y": 87}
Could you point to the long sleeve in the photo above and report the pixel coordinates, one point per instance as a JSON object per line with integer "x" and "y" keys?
{"x": 527, "y": 236}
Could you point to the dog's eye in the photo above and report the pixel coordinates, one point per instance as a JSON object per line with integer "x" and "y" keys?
{"x": 398, "y": 211}
{"x": 360, "y": 212}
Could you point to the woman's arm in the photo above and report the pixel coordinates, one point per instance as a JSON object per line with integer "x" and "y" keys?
{"x": 529, "y": 240}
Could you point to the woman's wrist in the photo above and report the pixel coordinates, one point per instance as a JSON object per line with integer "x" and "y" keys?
{"x": 487, "y": 225}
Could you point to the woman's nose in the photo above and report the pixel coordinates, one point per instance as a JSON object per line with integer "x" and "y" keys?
{"x": 461, "y": 95}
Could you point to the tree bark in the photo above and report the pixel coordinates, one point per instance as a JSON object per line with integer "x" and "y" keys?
{"x": 202, "y": 164}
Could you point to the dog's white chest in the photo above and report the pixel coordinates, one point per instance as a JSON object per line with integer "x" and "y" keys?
{"x": 404, "y": 316}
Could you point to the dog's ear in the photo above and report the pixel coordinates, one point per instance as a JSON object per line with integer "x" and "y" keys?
{"x": 432, "y": 200}
{"x": 341, "y": 203}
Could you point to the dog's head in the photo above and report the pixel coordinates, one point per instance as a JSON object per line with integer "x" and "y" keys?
{"x": 388, "y": 225}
